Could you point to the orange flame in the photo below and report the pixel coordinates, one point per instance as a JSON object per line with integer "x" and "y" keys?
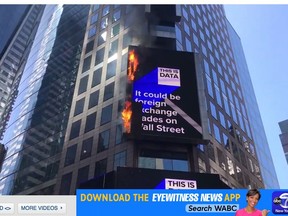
{"x": 132, "y": 65}
{"x": 126, "y": 116}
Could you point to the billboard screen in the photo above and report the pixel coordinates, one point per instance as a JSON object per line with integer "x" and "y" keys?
{"x": 162, "y": 96}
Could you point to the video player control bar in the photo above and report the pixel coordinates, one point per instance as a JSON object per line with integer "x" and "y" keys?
{"x": 33, "y": 208}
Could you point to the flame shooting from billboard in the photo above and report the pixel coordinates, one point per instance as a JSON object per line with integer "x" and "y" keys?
{"x": 126, "y": 116}
{"x": 132, "y": 65}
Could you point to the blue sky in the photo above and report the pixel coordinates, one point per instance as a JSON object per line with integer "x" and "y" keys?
{"x": 264, "y": 34}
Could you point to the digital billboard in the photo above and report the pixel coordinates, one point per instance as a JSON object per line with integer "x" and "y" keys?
{"x": 162, "y": 96}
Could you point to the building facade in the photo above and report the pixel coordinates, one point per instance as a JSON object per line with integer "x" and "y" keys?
{"x": 73, "y": 130}
{"x": 35, "y": 132}
{"x": 253, "y": 113}
{"x": 15, "y": 45}
{"x": 284, "y": 137}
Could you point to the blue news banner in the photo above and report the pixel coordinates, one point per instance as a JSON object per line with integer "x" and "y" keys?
{"x": 175, "y": 202}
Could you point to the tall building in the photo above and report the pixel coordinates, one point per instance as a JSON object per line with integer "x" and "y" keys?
{"x": 36, "y": 129}
{"x": 258, "y": 133}
{"x": 18, "y": 28}
{"x": 284, "y": 137}
{"x": 67, "y": 125}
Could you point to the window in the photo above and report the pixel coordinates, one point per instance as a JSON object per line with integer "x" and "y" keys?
{"x": 122, "y": 85}
{"x": 222, "y": 119}
{"x": 188, "y": 45}
{"x": 100, "y": 167}
{"x": 178, "y": 34}
{"x": 90, "y": 122}
{"x": 128, "y": 22}
{"x": 185, "y": 14}
{"x": 119, "y": 159}
{"x": 89, "y": 46}
{"x": 102, "y": 38}
{"x": 204, "y": 51}
{"x": 103, "y": 141}
{"x": 65, "y": 184}
{"x": 195, "y": 39}
{"x": 116, "y": 16}
{"x": 86, "y": 64}
{"x": 104, "y": 23}
{"x": 124, "y": 62}
{"x": 209, "y": 86}
{"x": 109, "y": 91}
{"x": 96, "y": 79}
{"x": 94, "y": 18}
{"x": 83, "y": 85}
{"x": 126, "y": 40}
{"x": 115, "y": 30}
{"x": 95, "y": 7}
{"x": 99, "y": 56}
{"x": 70, "y": 155}
{"x": 86, "y": 148}
{"x": 217, "y": 133}
{"x": 93, "y": 99}
{"x": 75, "y": 129}
{"x": 79, "y": 106}
{"x": 221, "y": 159}
{"x": 111, "y": 69}
{"x": 186, "y": 28}
{"x": 105, "y": 10}
{"x": 113, "y": 47}
{"x": 92, "y": 32}
{"x": 119, "y": 134}
{"x": 106, "y": 114}
{"x": 213, "y": 110}
{"x": 82, "y": 175}
{"x": 206, "y": 67}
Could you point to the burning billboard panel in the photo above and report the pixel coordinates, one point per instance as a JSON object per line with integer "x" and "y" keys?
{"x": 162, "y": 96}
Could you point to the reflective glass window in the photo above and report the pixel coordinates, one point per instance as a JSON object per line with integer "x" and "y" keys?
{"x": 106, "y": 115}
{"x": 86, "y": 148}
{"x": 89, "y": 46}
{"x": 70, "y": 155}
{"x": 93, "y": 99}
{"x": 99, "y": 56}
{"x": 115, "y": 30}
{"x": 83, "y": 85}
{"x": 111, "y": 69}
{"x": 119, "y": 134}
{"x": 92, "y": 31}
{"x": 86, "y": 64}
{"x": 96, "y": 79}
{"x": 90, "y": 122}
{"x": 113, "y": 47}
{"x": 103, "y": 141}
{"x": 109, "y": 91}
{"x": 105, "y": 10}
{"x": 102, "y": 38}
{"x": 79, "y": 106}
{"x": 75, "y": 129}
{"x": 116, "y": 15}
{"x": 94, "y": 18}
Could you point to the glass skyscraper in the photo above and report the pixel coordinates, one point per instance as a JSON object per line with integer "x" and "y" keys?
{"x": 284, "y": 137}
{"x": 66, "y": 125}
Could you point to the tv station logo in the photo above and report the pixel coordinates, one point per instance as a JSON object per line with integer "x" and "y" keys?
{"x": 280, "y": 202}
{"x": 168, "y": 76}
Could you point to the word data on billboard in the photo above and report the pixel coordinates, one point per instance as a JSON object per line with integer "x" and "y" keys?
{"x": 162, "y": 96}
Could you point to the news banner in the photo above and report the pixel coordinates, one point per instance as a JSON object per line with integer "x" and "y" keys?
{"x": 180, "y": 201}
